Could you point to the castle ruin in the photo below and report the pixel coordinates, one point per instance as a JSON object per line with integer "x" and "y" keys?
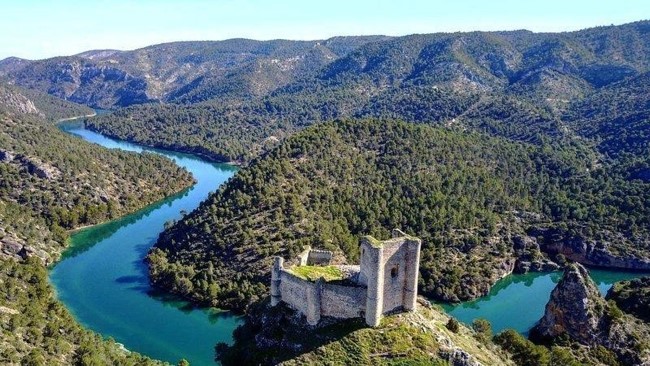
{"x": 385, "y": 281}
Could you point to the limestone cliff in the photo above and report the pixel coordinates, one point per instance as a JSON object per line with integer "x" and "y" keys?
{"x": 17, "y": 102}
{"x": 611, "y": 249}
{"x": 577, "y": 311}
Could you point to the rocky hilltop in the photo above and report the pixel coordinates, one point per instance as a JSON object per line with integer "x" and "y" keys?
{"x": 578, "y": 313}
{"x": 279, "y": 335}
{"x": 178, "y": 72}
{"x": 575, "y": 308}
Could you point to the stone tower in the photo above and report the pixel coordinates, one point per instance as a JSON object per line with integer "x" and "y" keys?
{"x": 389, "y": 269}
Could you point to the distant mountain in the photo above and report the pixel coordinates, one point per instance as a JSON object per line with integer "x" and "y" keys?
{"x": 182, "y": 71}
{"x": 11, "y": 65}
{"x": 520, "y": 85}
{"x": 551, "y": 67}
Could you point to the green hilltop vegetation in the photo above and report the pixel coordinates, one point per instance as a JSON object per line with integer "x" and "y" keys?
{"x": 513, "y": 84}
{"x": 632, "y": 297}
{"x": 470, "y": 198}
{"x": 51, "y": 182}
{"x": 276, "y": 336}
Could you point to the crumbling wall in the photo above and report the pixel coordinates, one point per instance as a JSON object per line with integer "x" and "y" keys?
{"x": 314, "y": 257}
{"x": 302, "y": 295}
{"x": 371, "y": 274}
{"x": 319, "y": 257}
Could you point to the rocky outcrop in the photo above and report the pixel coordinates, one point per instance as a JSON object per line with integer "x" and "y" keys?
{"x": 11, "y": 246}
{"x": 575, "y": 308}
{"x": 577, "y": 311}
{"x": 529, "y": 256}
{"x": 18, "y": 103}
{"x": 458, "y": 357}
{"x": 39, "y": 168}
{"x": 33, "y": 165}
{"x": 599, "y": 253}
{"x": 6, "y": 156}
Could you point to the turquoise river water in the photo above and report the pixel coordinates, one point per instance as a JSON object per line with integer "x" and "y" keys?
{"x": 103, "y": 280}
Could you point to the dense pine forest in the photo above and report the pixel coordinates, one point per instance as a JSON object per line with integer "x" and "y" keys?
{"x": 471, "y": 198}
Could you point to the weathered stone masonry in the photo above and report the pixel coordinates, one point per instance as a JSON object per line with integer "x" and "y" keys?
{"x": 385, "y": 281}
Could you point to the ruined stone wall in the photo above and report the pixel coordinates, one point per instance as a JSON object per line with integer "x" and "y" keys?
{"x": 276, "y": 280}
{"x": 343, "y": 301}
{"x": 303, "y": 257}
{"x": 413, "y": 246}
{"x": 316, "y": 299}
{"x": 302, "y": 295}
{"x": 313, "y": 257}
{"x": 319, "y": 257}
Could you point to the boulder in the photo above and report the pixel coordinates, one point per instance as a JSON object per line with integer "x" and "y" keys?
{"x": 6, "y": 156}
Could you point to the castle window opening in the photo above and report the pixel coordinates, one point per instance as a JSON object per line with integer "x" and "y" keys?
{"x": 394, "y": 271}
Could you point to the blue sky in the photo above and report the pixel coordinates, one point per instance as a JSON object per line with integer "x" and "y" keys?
{"x": 44, "y": 28}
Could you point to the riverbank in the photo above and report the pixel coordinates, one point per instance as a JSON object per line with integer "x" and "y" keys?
{"x": 76, "y": 117}
{"x": 517, "y": 301}
{"x": 196, "y": 151}
{"x": 103, "y": 281}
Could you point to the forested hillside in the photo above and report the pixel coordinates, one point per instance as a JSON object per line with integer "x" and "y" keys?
{"x": 65, "y": 183}
{"x": 185, "y": 72}
{"x": 513, "y": 84}
{"x": 617, "y": 117}
{"x": 471, "y": 198}
{"x": 51, "y": 182}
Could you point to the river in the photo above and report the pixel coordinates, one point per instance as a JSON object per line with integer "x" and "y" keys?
{"x": 518, "y": 301}
{"x": 103, "y": 281}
